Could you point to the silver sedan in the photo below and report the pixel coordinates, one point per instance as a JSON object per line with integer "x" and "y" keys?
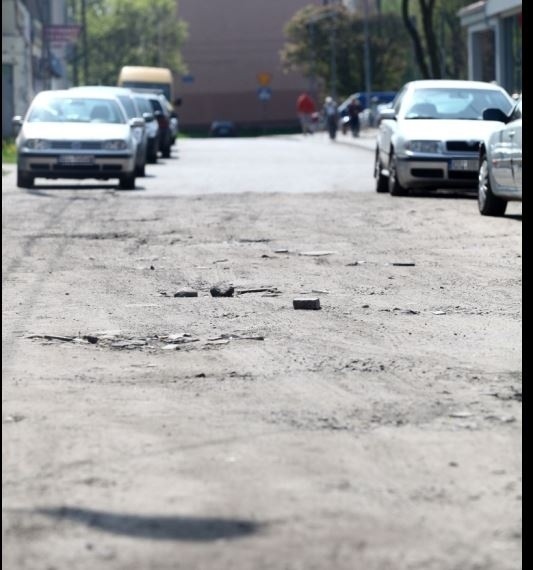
{"x": 430, "y": 137}
{"x": 500, "y": 165}
{"x": 73, "y": 135}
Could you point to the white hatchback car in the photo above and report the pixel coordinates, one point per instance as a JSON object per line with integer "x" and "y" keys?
{"x": 67, "y": 134}
{"x": 431, "y": 135}
{"x": 500, "y": 163}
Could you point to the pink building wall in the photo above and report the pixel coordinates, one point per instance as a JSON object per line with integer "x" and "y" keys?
{"x": 232, "y": 42}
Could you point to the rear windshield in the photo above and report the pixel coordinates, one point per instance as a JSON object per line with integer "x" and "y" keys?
{"x": 128, "y": 105}
{"x": 156, "y": 106}
{"x": 143, "y": 105}
{"x": 53, "y": 109}
{"x": 156, "y": 87}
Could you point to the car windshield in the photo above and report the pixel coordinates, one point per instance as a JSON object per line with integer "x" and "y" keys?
{"x": 54, "y": 109}
{"x": 454, "y": 103}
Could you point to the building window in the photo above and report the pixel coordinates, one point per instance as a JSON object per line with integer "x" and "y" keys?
{"x": 484, "y": 55}
{"x": 512, "y": 53}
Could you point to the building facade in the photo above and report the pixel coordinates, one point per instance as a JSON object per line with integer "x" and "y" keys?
{"x": 34, "y": 53}
{"x": 233, "y": 56}
{"x": 495, "y": 42}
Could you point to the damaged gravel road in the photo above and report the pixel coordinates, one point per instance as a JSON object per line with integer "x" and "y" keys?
{"x": 147, "y": 431}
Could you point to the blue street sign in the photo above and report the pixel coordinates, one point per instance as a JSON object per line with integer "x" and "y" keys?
{"x": 264, "y": 93}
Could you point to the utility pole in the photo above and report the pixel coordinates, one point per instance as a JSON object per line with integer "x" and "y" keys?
{"x": 85, "y": 42}
{"x": 312, "y": 87}
{"x": 368, "y": 87}
{"x": 333, "y": 57}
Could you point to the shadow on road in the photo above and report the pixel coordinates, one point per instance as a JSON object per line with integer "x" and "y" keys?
{"x": 201, "y": 529}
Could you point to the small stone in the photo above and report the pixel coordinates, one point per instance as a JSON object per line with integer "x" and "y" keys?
{"x": 307, "y": 303}
{"x": 404, "y": 263}
{"x": 186, "y": 293}
{"x": 222, "y": 291}
{"x": 90, "y": 338}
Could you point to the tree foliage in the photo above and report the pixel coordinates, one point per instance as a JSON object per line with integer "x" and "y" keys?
{"x": 439, "y": 43}
{"x": 131, "y": 32}
{"x": 314, "y": 34}
{"x": 408, "y": 39}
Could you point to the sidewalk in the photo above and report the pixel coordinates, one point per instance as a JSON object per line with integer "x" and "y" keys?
{"x": 366, "y": 138}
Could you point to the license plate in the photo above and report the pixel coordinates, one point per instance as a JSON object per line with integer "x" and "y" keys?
{"x": 76, "y": 159}
{"x": 464, "y": 164}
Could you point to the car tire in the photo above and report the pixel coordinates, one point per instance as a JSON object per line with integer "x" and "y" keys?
{"x": 165, "y": 152}
{"x": 382, "y": 183}
{"x": 395, "y": 188}
{"x": 140, "y": 170}
{"x": 488, "y": 203}
{"x": 24, "y": 179}
{"x": 127, "y": 181}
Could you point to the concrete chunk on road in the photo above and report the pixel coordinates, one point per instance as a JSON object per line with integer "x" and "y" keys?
{"x": 306, "y": 303}
{"x": 186, "y": 293}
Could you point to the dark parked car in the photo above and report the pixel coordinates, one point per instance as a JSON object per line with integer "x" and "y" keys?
{"x": 222, "y": 129}
{"x": 162, "y": 113}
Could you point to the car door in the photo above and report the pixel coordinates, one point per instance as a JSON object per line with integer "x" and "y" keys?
{"x": 502, "y": 149}
{"x": 515, "y": 134}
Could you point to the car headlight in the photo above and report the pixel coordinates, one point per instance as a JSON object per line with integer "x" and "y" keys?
{"x": 36, "y": 144}
{"x": 118, "y": 144}
{"x": 430, "y": 147}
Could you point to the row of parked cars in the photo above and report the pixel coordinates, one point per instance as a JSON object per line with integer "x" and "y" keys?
{"x": 97, "y": 132}
{"x": 452, "y": 134}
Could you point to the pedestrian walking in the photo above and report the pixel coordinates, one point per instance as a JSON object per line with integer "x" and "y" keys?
{"x": 331, "y": 115}
{"x": 354, "y": 108}
{"x": 306, "y": 108}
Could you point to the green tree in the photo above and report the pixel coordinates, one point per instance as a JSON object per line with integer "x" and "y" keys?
{"x": 438, "y": 41}
{"x": 131, "y": 32}
{"x": 309, "y": 49}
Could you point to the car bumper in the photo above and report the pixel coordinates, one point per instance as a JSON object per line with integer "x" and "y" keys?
{"x": 102, "y": 166}
{"x": 448, "y": 172}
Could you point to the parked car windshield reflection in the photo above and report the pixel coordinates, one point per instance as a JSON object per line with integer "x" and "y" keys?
{"x": 454, "y": 104}
{"x": 75, "y": 110}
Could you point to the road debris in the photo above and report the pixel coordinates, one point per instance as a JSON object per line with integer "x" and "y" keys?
{"x": 258, "y": 290}
{"x": 306, "y": 303}
{"x": 403, "y": 263}
{"x": 316, "y": 253}
{"x": 186, "y": 293}
{"x": 221, "y": 291}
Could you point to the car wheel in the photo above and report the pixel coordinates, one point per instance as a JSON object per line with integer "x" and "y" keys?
{"x": 24, "y": 179}
{"x": 395, "y": 188}
{"x": 381, "y": 181}
{"x": 488, "y": 203}
{"x": 140, "y": 170}
{"x": 127, "y": 181}
{"x": 165, "y": 152}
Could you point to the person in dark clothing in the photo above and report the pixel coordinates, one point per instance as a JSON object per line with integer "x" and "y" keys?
{"x": 354, "y": 108}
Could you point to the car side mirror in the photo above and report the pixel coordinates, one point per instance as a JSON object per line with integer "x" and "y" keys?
{"x": 16, "y": 121}
{"x": 148, "y": 117}
{"x": 387, "y": 114}
{"x": 493, "y": 114}
{"x": 137, "y": 122}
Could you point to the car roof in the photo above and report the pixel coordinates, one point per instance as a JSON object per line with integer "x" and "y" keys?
{"x": 78, "y": 94}
{"x": 453, "y": 83}
{"x": 108, "y": 88}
